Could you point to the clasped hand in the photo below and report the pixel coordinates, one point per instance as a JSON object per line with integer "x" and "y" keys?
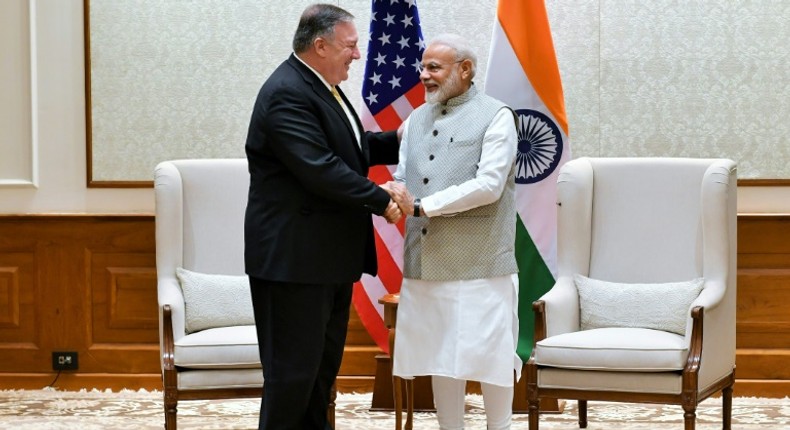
{"x": 401, "y": 203}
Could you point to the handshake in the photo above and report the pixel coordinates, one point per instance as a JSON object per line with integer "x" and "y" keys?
{"x": 401, "y": 203}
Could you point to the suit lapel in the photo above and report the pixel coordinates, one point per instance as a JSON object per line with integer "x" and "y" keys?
{"x": 361, "y": 129}
{"x": 324, "y": 94}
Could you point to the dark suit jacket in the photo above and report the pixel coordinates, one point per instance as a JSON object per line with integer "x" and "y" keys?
{"x": 308, "y": 216}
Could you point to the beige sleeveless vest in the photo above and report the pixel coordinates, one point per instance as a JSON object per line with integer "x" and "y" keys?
{"x": 445, "y": 143}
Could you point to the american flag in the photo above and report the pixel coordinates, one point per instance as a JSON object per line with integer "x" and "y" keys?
{"x": 390, "y": 91}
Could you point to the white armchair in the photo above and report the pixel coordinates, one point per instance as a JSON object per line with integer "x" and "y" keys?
{"x": 643, "y": 309}
{"x": 207, "y": 329}
{"x": 199, "y": 227}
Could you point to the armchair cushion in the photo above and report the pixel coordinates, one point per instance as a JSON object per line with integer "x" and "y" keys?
{"x": 614, "y": 349}
{"x": 219, "y": 348}
{"x": 213, "y": 301}
{"x": 653, "y": 306}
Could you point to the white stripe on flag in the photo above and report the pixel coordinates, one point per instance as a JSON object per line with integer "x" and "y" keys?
{"x": 402, "y": 107}
{"x": 374, "y": 288}
{"x": 368, "y": 122}
{"x": 392, "y": 239}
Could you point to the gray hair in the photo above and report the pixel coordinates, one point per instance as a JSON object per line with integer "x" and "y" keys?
{"x": 463, "y": 50}
{"x": 318, "y": 20}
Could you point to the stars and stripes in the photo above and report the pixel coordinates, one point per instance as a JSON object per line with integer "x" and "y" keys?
{"x": 390, "y": 92}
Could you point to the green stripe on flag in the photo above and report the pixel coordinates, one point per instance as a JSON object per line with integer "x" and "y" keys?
{"x": 534, "y": 280}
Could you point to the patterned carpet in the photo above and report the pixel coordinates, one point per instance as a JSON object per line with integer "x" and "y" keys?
{"x": 51, "y": 409}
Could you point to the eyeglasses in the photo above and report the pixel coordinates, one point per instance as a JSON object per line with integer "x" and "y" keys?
{"x": 436, "y": 67}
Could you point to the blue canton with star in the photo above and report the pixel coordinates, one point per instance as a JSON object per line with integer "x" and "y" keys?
{"x": 394, "y": 53}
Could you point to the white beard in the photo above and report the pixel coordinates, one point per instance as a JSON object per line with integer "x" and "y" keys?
{"x": 443, "y": 93}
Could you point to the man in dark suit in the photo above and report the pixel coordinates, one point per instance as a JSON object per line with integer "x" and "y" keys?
{"x": 308, "y": 227}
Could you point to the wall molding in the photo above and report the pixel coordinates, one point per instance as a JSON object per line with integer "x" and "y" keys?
{"x": 32, "y": 181}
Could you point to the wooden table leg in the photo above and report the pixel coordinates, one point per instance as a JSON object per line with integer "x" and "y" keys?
{"x": 409, "y": 403}
{"x": 398, "y": 400}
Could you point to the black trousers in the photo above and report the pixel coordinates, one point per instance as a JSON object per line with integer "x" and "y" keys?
{"x": 301, "y": 334}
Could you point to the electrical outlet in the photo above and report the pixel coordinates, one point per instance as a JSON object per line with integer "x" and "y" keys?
{"x": 64, "y": 361}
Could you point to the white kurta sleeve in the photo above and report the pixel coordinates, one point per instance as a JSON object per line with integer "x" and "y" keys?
{"x": 400, "y": 171}
{"x": 500, "y": 144}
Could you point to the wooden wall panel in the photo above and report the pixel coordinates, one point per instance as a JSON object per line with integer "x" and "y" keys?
{"x": 359, "y": 358}
{"x": 763, "y": 323}
{"x": 87, "y": 283}
{"x": 123, "y": 298}
{"x": 19, "y": 330}
{"x": 16, "y": 294}
{"x": 124, "y": 322}
{"x": 9, "y": 297}
{"x": 84, "y": 282}
{"x": 18, "y": 313}
{"x": 764, "y": 308}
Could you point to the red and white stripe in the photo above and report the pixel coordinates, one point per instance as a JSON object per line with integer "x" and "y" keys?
{"x": 389, "y": 237}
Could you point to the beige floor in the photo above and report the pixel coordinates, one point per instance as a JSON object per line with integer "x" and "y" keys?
{"x": 143, "y": 410}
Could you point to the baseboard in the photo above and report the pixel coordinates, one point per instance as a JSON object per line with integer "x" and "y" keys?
{"x": 355, "y": 384}
{"x": 78, "y": 381}
{"x": 770, "y": 388}
{"x": 145, "y": 381}
{"x": 345, "y": 384}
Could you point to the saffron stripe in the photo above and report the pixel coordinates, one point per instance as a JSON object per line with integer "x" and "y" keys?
{"x": 526, "y": 25}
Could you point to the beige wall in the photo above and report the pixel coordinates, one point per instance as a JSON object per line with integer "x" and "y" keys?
{"x": 49, "y": 49}
{"x": 43, "y": 156}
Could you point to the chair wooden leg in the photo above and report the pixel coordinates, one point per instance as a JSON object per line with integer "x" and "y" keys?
{"x": 169, "y": 373}
{"x": 171, "y": 410}
{"x": 726, "y": 409}
{"x": 690, "y": 418}
{"x": 583, "y": 414}
{"x": 530, "y": 373}
{"x": 533, "y": 406}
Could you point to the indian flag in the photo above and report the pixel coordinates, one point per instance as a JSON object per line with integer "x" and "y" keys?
{"x": 523, "y": 73}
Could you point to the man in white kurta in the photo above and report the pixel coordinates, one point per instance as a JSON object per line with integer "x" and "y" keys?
{"x": 457, "y": 314}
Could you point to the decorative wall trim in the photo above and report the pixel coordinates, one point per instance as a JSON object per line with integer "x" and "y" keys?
{"x": 20, "y": 183}
{"x": 764, "y": 182}
{"x": 32, "y": 181}
{"x": 34, "y": 123}
{"x": 91, "y": 183}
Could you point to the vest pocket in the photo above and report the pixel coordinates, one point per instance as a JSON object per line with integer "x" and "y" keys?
{"x": 465, "y": 142}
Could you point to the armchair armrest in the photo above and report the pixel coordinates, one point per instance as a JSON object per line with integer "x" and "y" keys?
{"x": 718, "y": 321}
{"x": 711, "y": 296}
{"x": 710, "y": 299}
{"x": 169, "y": 294}
{"x": 168, "y": 343}
{"x": 169, "y": 373}
{"x": 561, "y": 307}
